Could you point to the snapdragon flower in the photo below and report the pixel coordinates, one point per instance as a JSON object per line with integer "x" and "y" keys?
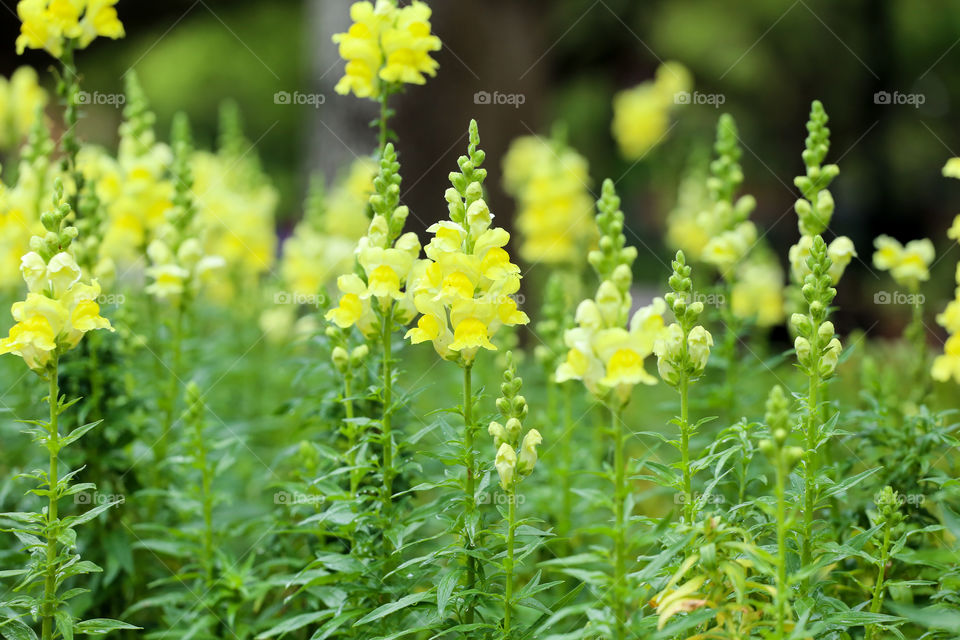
{"x": 607, "y": 356}
{"x": 463, "y": 289}
{"x": 908, "y": 264}
{"x": 386, "y": 45}
{"x": 53, "y": 25}
{"x": 59, "y": 307}
{"x": 554, "y": 210}
{"x": 641, "y": 115}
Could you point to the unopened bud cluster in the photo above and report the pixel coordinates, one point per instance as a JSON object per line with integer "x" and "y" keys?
{"x": 684, "y": 349}
{"x": 817, "y": 347}
{"x": 513, "y": 465}
{"x": 815, "y": 209}
{"x": 612, "y": 259}
{"x": 778, "y": 420}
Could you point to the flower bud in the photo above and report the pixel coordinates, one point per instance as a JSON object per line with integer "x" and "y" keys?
{"x": 699, "y": 342}
{"x": 830, "y": 357}
{"x": 358, "y": 355}
{"x": 499, "y": 434}
{"x": 513, "y": 430}
{"x": 802, "y": 347}
{"x": 528, "y": 451}
{"x": 341, "y": 360}
{"x": 826, "y": 331}
{"x": 506, "y": 464}
{"x": 801, "y": 323}
{"x": 793, "y": 455}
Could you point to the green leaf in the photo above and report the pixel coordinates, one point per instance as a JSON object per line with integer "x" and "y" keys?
{"x": 445, "y": 590}
{"x": 13, "y": 629}
{"x": 98, "y": 626}
{"x": 294, "y": 623}
{"x": 387, "y": 609}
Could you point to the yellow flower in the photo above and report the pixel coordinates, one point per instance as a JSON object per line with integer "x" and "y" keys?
{"x": 909, "y": 265}
{"x": 952, "y": 168}
{"x": 528, "y": 452}
{"x": 954, "y": 232}
{"x": 506, "y": 464}
{"x": 610, "y": 358}
{"x": 757, "y": 293}
{"x": 641, "y": 116}
{"x": 21, "y": 103}
{"x": 730, "y": 247}
{"x": 947, "y": 365}
{"x": 48, "y": 24}
{"x": 841, "y": 251}
{"x": 555, "y": 210}
{"x": 388, "y": 44}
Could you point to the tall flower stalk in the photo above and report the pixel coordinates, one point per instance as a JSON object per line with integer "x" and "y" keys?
{"x": 516, "y": 457}
{"x": 464, "y": 294}
{"x": 606, "y": 350}
{"x": 816, "y": 268}
{"x": 784, "y": 458}
{"x": 682, "y": 355}
{"x": 58, "y": 310}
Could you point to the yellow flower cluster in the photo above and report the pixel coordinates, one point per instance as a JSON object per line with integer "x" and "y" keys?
{"x": 555, "y": 212}
{"x": 237, "y": 213}
{"x": 177, "y": 265}
{"x": 386, "y": 260}
{"x": 947, "y": 365}
{"x": 909, "y": 265}
{"x": 135, "y": 192}
{"x": 51, "y": 24}
{"x": 21, "y": 102}
{"x": 757, "y": 292}
{"x": 841, "y": 252}
{"x": 386, "y": 44}
{"x": 322, "y": 244}
{"x": 641, "y": 115}
{"x": 59, "y": 309}
{"x": 463, "y": 289}
{"x": 20, "y": 209}
{"x": 607, "y": 357}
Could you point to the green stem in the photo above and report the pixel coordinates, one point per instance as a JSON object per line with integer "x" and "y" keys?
{"x": 384, "y": 96}
{"x": 619, "y": 533}
{"x": 566, "y": 457}
{"x": 509, "y": 563}
{"x": 52, "y": 526}
{"x": 877, "y": 602}
{"x": 173, "y": 385}
{"x": 689, "y": 508}
{"x": 387, "y": 408}
{"x": 781, "y": 547}
{"x": 71, "y": 116}
{"x": 470, "y": 486}
{"x": 207, "y": 514}
{"x": 351, "y": 435}
{"x": 810, "y": 466}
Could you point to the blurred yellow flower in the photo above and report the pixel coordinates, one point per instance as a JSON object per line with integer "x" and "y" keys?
{"x": 909, "y": 265}
{"x": 52, "y": 24}
{"x": 386, "y": 44}
{"x": 757, "y": 293}
{"x": 555, "y": 209}
{"x": 641, "y": 116}
{"x": 22, "y": 100}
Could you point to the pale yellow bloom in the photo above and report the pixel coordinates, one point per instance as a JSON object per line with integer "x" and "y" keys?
{"x": 641, "y": 115}
{"x": 909, "y": 265}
